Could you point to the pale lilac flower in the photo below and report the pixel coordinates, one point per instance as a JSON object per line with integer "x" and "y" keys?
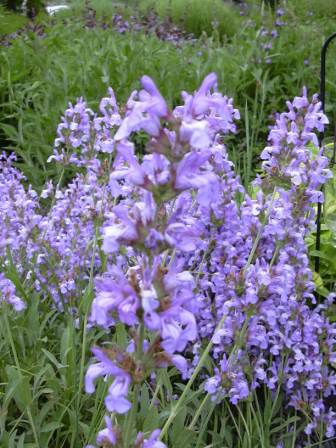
{"x": 116, "y": 400}
{"x": 8, "y": 294}
{"x": 107, "y": 435}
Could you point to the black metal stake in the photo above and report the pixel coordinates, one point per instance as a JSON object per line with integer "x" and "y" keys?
{"x": 321, "y": 138}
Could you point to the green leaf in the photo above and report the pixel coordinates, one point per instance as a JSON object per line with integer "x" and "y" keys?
{"x": 52, "y": 426}
{"x": 52, "y": 358}
{"x": 19, "y": 387}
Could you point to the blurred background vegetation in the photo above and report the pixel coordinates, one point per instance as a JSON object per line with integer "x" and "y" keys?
{"x": 80, "y": 52}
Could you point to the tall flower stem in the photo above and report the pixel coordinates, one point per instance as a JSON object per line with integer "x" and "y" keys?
{"x": 87, "y": 306}
{"x": 198, "y": 412}
{"x": 176, "y": 409}
{"x": 84, "y": 335}
{"x": 256, "y": 241}
{"x": 156, "y": 393}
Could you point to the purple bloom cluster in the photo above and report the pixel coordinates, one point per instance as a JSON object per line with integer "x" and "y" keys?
{"x": 54, "y": 247}
{"x": 18, "y": 212}
{"x": 82, "y": 135}
{"x": 173, "y": 252}
{"x": 247, "y": 263}
{"x": 19, "y": 220}
{"x": 284, "y": 342}
{"x": 156, "y": 225}
{"x": 66, "y": 250}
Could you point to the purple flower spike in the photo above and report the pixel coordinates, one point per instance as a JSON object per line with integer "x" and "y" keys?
{"x": 181, "y": 254}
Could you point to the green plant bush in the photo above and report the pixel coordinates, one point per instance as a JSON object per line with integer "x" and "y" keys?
{"x": 37, "y": 79}
{"x": 197, "y": 16}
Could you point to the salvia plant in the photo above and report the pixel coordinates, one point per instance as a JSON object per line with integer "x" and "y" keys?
{"x": 156, "y": 235}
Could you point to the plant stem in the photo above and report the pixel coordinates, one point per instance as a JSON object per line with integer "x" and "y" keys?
{"x": 198, "y": 412}
{"x": 175, "y": 410}
{"x": 256, "y": 241}
{"x": 131, "y": 417}
{"x": 245, "y": 425}
{"x": 156, "y": 393}
{"x": 18, "y": 367}
{"x": 84, "y": 343}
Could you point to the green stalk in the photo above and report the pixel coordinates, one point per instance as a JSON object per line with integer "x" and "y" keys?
{"x": 156, "y": 393}
{"x": 294, "y": 432}
{"x": 258, "y": 420}
{"x": 245, "y": 425}
{"x": 198, "y": 412}
{"x": 83, "y": 347}
{"x": 18, "y": 367}
{"x": 131, "y": 416}
{"x": 318, "y": 443}
{"x": 256, "y": 241}
{"x": 234, "y": 422}
{"x": 175, "y": 409}
{"x": 82, "y": 361}
{"x": 84, "y": 332}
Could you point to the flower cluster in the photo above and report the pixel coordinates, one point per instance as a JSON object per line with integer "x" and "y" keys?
{"x": 52, "y": 237}
{"x": 157, "y": 231}
{"x": 245, "y": 264}
{"x": 284, "y": 342}
{"x": 82, "y": 135}
{"x": 180, "y": 254}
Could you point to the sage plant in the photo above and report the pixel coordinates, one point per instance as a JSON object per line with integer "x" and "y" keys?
{"x": 190, "y": 265}
{"x": 193, "y": 268}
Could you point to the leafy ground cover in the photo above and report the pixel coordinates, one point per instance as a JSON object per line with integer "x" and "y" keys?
{"x": 201, "y": 315}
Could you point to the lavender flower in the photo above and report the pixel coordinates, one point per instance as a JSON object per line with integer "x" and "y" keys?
{"x": 116, "y": 400}
{"x": 7, "y": 294}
